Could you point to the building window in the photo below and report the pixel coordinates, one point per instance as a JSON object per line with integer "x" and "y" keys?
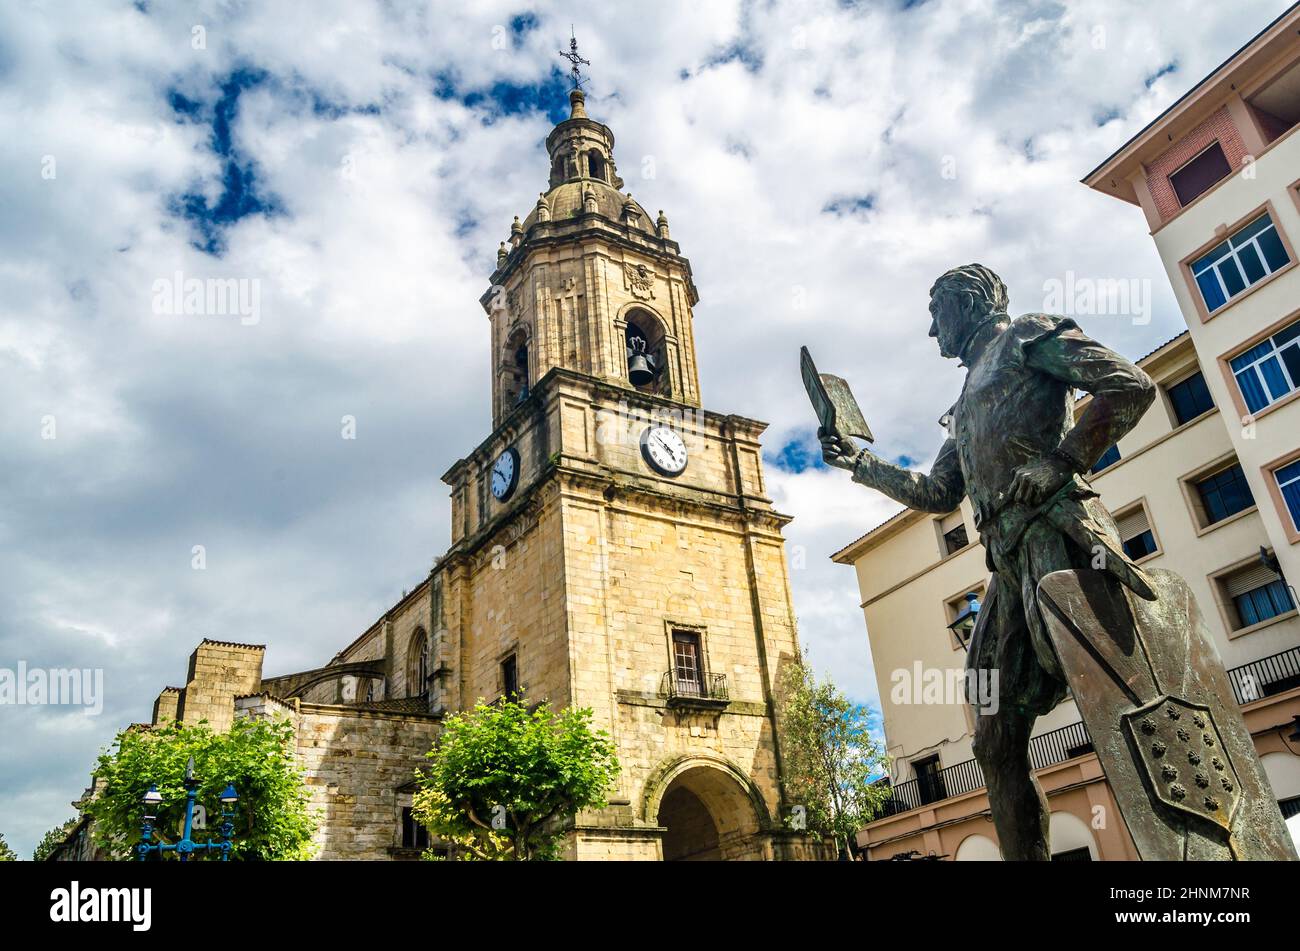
{"x": 1288, "y": 483}
{"x": 688, "y": 666}
{"x": 953, "y": 530}
{"x": 1223, "y": 494}
{"x": 417, "y": 664}
{"x": 1242, "y": 260}
{"x": 1108, "y": 459}
{"x": 1200, "y": 174}
{"x": 1135, "y": 533}
{"x": 596, "y": 165}
{"x": 414, "y": 835}
{"x": 1269, "y": 370}
{"x": 1256, "y": 594}
{"x": 510, "y": 677}
{"x": 929, "y": 779}
{"x": 1190, "y": 398}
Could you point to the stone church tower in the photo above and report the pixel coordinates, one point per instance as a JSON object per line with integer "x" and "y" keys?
{"x": 613, "y": 546}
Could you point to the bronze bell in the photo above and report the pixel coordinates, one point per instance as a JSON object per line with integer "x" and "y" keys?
{"x": 639, "y": 370}
{"x": 640, "y": 365}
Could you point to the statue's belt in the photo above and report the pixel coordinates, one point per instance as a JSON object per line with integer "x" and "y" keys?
{"x": 1010, "y": 521}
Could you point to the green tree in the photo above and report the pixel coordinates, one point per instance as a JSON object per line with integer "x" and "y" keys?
{"x": 6, "y": 854}
{"x": 272, "y": 821}
{"x": 502, "y": 779}
{"x": 831, "y": 761}
{"x": 52, "y": 840}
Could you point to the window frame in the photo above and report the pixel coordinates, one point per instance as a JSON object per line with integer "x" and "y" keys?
{"x": 1123, "y": 512}
{"x": 1214, "y": 143}
{"x": 1218, "y": 581}
{"x": 1290, "y": 521}
{"x": 1187, "y": 483}
{"x": 1183, "y": 380}
{"x": 1225, "y": 234}
{"x": 511, "y": 658}
{"x": 1225, "y": 359}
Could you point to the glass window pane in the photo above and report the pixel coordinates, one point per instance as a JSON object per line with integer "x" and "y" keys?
{"x": 1252, "y": 390}
{"x": 1209, "y": 258}
{"x": 1210, "y": 291}
{"x": 1286, "y": 333}
{"x": 1291, "y": 496}
{"x": 1274, "y": 250}
{"x": 1251, "y": 263}
{"x": 1273, "y": 376}
{"x": 1232, "y": 277}
{"x": 1255, "y": 227}
{"x": 1256, "y": 352}
{"x": 1246, "y": 610}
{"x": 1291, "y": 357}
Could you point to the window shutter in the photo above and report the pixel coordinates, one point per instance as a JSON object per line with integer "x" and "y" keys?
{"x": 1248, "y": 579}
{"x": 949, "y": 522}
{"x": 1133, "y": 524}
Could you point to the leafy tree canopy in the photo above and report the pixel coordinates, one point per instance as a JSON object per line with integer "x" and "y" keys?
{"x": 501, "y": 779}
{"x": 52, "y": 840}
{"x": 831, "y": 760}
{"x": 272, "y": 821}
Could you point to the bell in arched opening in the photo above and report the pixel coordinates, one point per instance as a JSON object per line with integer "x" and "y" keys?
{"x": 642, "y": 367}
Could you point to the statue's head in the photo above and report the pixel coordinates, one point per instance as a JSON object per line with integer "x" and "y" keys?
{"x": 961, "y": 302}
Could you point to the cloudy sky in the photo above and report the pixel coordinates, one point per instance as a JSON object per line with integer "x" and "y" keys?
{"x": 820, "y": 163}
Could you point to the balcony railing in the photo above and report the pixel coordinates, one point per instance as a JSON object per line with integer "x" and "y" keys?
{"x": 1045, "y": 750}
{"x": 1266, "y": 676}
{"x": 690, "y": 688}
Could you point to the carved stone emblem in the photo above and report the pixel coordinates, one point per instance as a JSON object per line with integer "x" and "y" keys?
{"x": 639, "y": 279}
{"x": 1163, "y": 746}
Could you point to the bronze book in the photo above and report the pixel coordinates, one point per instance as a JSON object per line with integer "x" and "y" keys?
{"x": 837, "y": 410}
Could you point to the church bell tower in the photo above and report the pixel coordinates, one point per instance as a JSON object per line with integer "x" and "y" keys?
{"x": 613, "y": 545}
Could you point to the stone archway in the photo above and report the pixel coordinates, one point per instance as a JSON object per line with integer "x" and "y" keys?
{"x": 709, "y": 811}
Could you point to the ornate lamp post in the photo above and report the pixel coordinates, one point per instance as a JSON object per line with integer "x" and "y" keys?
{"x": 153, "y": 799}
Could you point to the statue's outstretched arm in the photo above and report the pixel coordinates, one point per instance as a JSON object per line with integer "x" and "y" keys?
{"x": 940, "y": 491}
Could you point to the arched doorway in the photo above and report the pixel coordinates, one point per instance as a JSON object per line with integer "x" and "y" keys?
{"x": 692, "y": 835}
{"x": 709, "y": 813}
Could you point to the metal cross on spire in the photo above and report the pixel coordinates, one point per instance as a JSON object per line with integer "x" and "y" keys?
{"x": 575, "y": 60}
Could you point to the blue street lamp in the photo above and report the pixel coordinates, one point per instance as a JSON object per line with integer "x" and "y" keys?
{"x": 153, "y": 799}
{"x": 964, "y": 625}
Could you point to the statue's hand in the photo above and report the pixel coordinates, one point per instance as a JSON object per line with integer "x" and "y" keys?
{"x": 1036, "y": 481}
{"x": 837, "y": 451}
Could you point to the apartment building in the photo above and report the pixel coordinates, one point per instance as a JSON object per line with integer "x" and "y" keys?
{"x": 1207, "y": 484}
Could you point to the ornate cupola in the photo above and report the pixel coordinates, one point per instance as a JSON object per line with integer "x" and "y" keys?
{"x": 590, "y": 281}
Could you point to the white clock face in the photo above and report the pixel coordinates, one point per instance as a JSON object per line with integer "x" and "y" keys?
{"x": 664, "y": 450}
{"x": 505, "y": 474}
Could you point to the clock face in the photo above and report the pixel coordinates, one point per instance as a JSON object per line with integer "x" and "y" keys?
{"x": 664, "y": 450}
{"x": 505, "y": 474}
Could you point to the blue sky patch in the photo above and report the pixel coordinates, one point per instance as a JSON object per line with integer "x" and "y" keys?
{"x": 842, "y": 205}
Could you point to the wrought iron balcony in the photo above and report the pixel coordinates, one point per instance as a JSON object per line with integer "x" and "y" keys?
{"x": 1261, "y": 678}
{"x": 687, "y": 688}
{"x": 1266, "y": 676}
{"x": 1045, "y": 750}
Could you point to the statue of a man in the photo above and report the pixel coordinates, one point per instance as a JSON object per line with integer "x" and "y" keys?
{"x": 1016, "y": 450}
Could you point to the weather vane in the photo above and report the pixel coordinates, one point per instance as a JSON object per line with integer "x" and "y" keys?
{"x": 574, "y": 59}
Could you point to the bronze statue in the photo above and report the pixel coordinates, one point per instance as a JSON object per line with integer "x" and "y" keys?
{"x": 1062, "y": 588}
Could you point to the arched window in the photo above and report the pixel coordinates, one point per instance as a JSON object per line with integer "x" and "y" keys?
{"x": 645, "y": 353}
{"x": 596, "y": 165}
{"x": 515, "y": 371}
{"x": 417, "y": 663}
